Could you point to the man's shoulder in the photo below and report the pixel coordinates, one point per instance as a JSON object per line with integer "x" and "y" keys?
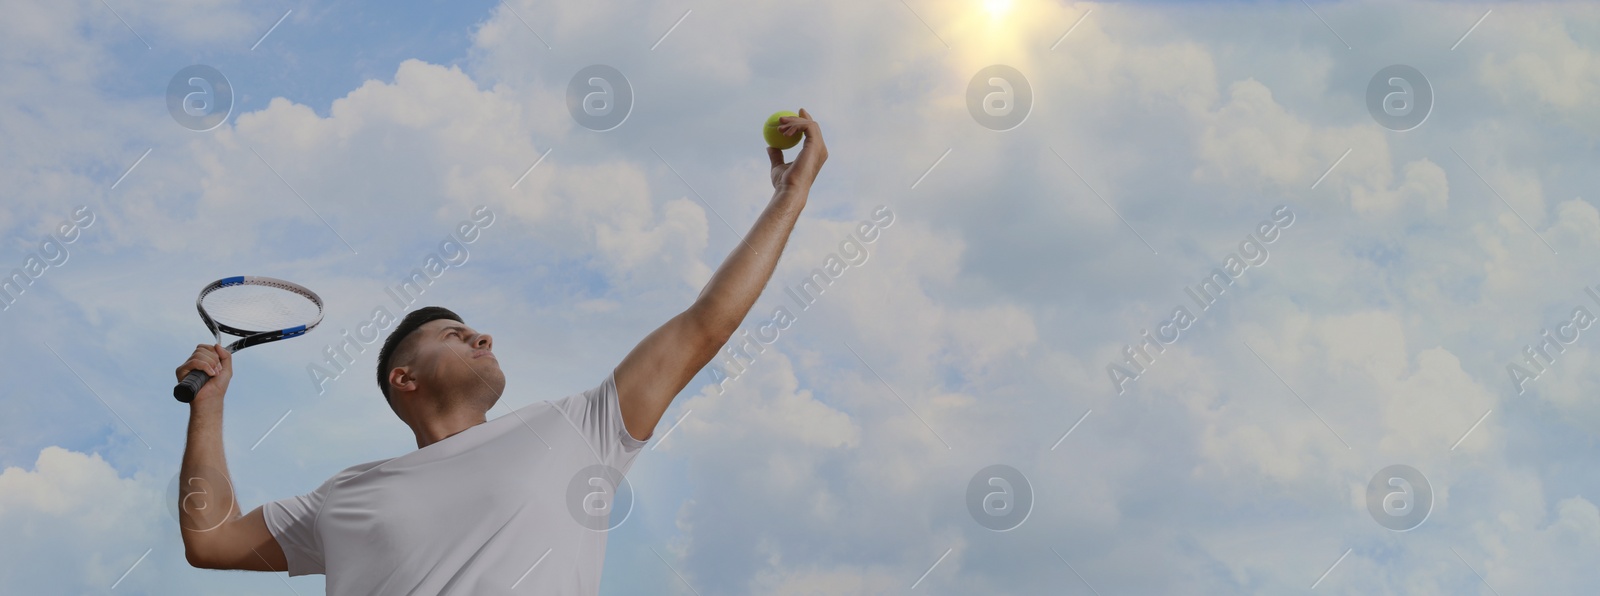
{"x": 588, "y": 401}
{"x": 356, "y": 470}
{"x": 574, "y": 402}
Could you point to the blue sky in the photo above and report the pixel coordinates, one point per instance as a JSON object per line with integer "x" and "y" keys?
{"x": 1019, "y": 264}
{"x": 318, "y": 53}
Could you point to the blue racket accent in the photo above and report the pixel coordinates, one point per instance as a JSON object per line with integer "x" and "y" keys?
{"x": 293, "y": 331}
{"x": 230, "y": 281}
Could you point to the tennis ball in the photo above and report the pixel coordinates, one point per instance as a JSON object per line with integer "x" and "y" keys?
{"x": 775, "y": 137}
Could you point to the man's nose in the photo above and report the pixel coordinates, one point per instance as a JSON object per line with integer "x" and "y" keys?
{"x": 483, "y": 342}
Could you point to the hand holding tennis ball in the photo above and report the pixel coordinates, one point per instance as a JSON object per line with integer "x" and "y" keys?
{"x": 777, "y": 133}
{"x": 782, "y": 131}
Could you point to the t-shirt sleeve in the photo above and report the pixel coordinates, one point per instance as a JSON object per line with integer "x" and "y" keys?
{"x": 293, "y": 523}
{"x": 597, "y": 414}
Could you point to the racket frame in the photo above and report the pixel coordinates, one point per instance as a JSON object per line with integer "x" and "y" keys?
{"x": 251, "y": 337}
{"x": 247, "y": 337}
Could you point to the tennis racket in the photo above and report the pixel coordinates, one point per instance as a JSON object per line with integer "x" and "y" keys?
{"x": 256, "y": 309}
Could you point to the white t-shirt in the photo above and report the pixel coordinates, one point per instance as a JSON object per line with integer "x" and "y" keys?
{"x": 474, "y": 512}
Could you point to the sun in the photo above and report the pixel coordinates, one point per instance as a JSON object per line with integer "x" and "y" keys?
{"x": 997, "y": 8}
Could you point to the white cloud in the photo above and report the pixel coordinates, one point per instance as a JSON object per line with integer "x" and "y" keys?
{"x": 1517, "y": 551}
{"x": 74, "y": 523}
{"x": 1549, "y": 71}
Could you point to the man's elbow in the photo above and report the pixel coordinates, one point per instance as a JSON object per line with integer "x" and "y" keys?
{"x": 197, "y": 559}
{"x": 706, "y": 329}
{"x": 201, "y": 554}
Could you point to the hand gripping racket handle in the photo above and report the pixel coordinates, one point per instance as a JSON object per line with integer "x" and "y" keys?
{"x": 186, "y": 390}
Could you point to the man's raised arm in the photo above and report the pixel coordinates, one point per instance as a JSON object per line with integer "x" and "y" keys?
{"x": 215, "y": 534}
{"x": 664, "y": 362}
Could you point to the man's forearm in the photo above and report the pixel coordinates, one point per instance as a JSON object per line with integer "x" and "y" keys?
{"x": 205, "y": 492}
{"x": 734, "y": 287}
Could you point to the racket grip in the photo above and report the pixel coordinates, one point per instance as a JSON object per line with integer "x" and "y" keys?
{"x": 186, "y": 390}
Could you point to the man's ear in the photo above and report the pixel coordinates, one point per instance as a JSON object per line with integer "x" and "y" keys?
{"x": 401, "y": 379}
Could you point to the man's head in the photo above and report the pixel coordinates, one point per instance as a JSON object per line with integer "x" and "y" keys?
{"x": 435, "y": 357}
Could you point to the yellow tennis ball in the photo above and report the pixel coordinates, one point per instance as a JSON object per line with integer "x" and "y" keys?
{"x": 775, "y": 137}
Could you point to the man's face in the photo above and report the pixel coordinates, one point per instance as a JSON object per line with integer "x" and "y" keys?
{"x": 446, "y": 353}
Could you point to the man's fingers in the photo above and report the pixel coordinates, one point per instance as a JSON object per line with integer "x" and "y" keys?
{"x": 223, "y": 355}
{"x": 813, "y": 150}
{"x": 775, "y": 155}
{"x": 193, "y": 363}
{"x": 204, "y": 358}
{"x": 811, "y": 127}
{"x": 812, "y": 140}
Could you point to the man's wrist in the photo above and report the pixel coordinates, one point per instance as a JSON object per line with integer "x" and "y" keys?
{"x": 205, "y": 405}
{"x": 792, "y": 189}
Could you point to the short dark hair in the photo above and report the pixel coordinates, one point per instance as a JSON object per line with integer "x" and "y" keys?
{"x": 410, "y": 323}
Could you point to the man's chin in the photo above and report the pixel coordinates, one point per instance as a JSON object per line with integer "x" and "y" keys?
{"x": 495, "y": 378}
{"x": 484, "y": 375}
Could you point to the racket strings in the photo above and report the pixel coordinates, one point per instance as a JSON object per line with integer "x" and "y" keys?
{"x": 259, "y": 308}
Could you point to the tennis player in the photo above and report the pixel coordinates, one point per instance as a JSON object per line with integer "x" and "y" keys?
{"x": 514, "y": 505}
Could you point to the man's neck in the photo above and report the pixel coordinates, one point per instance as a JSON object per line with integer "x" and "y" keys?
{"x": 437, "y": 426}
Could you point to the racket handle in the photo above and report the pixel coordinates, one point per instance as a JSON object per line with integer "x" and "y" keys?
{"x": 186, "y": 390}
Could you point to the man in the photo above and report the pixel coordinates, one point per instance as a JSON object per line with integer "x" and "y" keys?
{"x": 518, "y": 504}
